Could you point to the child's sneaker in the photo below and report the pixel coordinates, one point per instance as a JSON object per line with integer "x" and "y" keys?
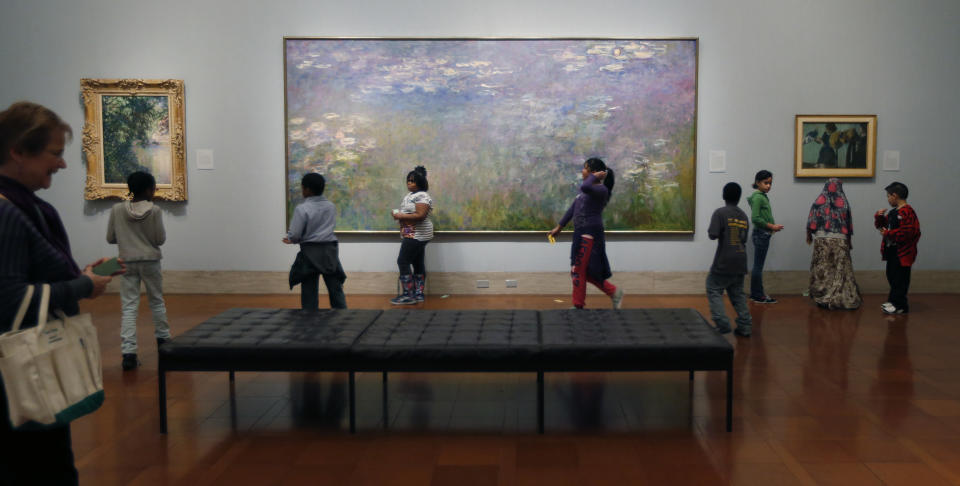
{"x": 130, "y": 361}
{"x": 617, "y": 298}
{"x": 766, "y": 299}
{"x": 740, "y": 333}
{"x": 723, "y": 330}
{"x": 893, "y": 310}
{"x": 403, "y": 300}
{"x": 888, "y": 307}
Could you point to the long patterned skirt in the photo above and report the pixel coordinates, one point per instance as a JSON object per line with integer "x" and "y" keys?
{"x": 832, "y": 284}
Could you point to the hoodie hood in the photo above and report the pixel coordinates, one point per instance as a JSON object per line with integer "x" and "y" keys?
{"x": 138, "y": 210}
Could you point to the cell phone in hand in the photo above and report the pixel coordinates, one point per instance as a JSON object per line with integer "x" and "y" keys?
{"x": 108, "y": 267}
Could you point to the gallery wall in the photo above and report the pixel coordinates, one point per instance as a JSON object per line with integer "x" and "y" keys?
{"x": 760, "y": 63}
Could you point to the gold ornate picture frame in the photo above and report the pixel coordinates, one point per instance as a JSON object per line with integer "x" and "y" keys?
{"x": 835, "y": 145}
{"x": 134, "y": 125}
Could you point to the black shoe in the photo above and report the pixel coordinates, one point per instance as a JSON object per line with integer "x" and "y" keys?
{"x": 740, "y": 333}
{"x": 161, "y": 341}
{"x": 723, "y": 330}
{"x": 766, "y": 299}
{"x": 130, "y": 361}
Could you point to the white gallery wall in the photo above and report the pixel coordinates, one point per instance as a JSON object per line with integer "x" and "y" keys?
{"x": 760, "y": 63}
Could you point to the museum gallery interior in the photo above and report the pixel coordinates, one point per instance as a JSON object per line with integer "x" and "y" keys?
{"x": 487, "y": 358}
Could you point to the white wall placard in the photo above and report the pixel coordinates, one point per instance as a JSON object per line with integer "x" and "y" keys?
{"x": 891, "y": 160}
{"x": 718, "y": 161}
{"x": 205, "y": 159}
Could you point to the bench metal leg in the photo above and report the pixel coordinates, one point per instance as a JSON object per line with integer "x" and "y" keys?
{"x": 540, "y": 402}
{"x": 730, "y": 399}
{"x": 691, "y": 375}
{"x": 163, "y": 401}
{"x": 353, "y": 405}
{"x": 233, "y": 402}
{"x": 232, "y": 377}
{"x": 386, "y": 413}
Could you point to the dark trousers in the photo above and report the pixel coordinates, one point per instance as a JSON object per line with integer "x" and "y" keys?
{"x": 40, "y": 457}
{"x": 310, "y": 288}
{"x": 761, "y": 243}
{"x": 412, "y": 254}
{"x": 898, "y": 276}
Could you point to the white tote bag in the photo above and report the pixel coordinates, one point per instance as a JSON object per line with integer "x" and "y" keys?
{"x": 51, "y": 372}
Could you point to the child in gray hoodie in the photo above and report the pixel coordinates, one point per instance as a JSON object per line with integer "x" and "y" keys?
{"x": 137, "y": 228}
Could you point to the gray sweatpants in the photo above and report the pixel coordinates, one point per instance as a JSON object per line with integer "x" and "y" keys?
{"x": 149, "y": 273}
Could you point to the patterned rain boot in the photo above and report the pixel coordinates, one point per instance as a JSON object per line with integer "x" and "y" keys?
{"x": 406, "y": 292}
{"x": 418, "y": 281}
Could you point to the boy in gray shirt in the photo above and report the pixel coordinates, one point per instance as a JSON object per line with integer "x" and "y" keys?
{"x": 312, "y": 227}
{"x": 729, "y": 226}
{"x": 136, "y": 228}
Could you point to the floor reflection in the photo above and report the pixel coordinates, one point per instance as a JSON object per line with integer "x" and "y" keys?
{"x": 894, "y": 384}
{"x": 831, "y": 334}
{"x": 584, "y": 399}
{"x": 318, "y": 399}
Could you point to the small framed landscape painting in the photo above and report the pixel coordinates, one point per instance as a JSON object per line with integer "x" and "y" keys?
{"x": 134, "y": 125}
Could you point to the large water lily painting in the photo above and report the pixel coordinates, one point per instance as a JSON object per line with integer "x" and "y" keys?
{"x": 503, "y": 127}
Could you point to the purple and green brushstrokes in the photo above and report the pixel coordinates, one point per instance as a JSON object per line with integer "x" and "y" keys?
{"x": 503, "y": 127}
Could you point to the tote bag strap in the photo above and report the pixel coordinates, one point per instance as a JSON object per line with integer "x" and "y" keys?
{"x": 22, "y": 311}
{"x": 44, "y": 305}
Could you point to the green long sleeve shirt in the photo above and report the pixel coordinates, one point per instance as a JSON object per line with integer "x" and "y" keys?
{"x": 760, "y": 212}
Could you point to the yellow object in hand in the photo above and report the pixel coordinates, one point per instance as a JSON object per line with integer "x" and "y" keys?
{"x": 551, "y": 239}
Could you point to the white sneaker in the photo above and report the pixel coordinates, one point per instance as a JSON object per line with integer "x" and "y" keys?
{"x": 888, "y": 307}
{"x": 617, "y": 298}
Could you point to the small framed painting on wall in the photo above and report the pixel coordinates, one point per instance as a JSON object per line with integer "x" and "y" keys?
{"x": 134, "y": 125}
{"x": 835, "y": 145}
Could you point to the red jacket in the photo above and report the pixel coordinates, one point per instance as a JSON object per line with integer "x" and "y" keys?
{"x": 905, "y": 234}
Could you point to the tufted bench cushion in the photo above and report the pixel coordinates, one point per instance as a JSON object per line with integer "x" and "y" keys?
{"x": 439, "y": 340}
{"x": 631, "y": 340}
{"x": 269, "y": 339}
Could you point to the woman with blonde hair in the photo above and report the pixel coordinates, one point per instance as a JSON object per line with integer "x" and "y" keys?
{"x": 34, "y": 249}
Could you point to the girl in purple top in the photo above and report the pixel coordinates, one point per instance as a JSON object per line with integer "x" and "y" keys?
{"x": 588, "y": 256}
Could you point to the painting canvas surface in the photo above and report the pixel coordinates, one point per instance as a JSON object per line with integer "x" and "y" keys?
{"x": 136, "y": 137}
{"x": 502, "y": 126}
{"x": 835, "y": 145}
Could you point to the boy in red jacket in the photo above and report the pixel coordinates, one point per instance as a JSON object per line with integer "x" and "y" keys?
{"x": 901, "y": 231}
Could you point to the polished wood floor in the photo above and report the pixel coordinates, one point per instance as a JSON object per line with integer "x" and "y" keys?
{"x": 822, "y": 397}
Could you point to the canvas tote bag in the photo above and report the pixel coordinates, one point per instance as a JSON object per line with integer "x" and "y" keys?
{"x": 51, "y": 372}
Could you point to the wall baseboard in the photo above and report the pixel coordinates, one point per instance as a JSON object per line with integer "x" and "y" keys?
{"x": 776, "y": 283}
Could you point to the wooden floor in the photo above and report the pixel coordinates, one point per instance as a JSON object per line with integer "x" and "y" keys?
{"x": 821, "y": 397}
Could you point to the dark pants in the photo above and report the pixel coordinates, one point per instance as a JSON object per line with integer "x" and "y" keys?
{"x": 310, "y": 288}
{"x": 40, "y": 457}
{"x": 761, "y": 243}
{"x": 412, "y": 254}
{"x": 898, "y": 276}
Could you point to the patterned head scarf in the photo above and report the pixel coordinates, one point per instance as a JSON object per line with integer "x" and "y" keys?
{"x": 831, "y": 211}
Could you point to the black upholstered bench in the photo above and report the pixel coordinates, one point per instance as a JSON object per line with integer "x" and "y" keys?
{"x": 449, "y": 340}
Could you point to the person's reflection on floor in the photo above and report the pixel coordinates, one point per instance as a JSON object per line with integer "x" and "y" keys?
{"x": 310, "y": 404}
{"x": 416, "y": 393}
{"x": 829, "y": 344}
{"x": 586, "y": 399}
{"x": 894, "y": 382}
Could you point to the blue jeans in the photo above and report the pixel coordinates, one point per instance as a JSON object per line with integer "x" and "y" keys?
{"x": 733, "y": 285}
{"x": 761, "y": 243}
{"x": 149, "y": 273}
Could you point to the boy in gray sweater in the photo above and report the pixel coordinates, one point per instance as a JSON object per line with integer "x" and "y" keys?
{"x": 137, "y": 228}
{"x": 729, "y": 226}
